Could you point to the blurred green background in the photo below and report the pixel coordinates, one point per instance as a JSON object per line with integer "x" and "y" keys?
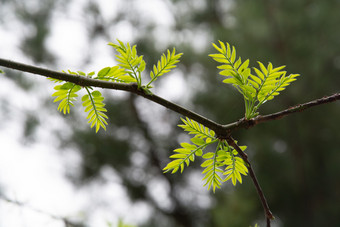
{"x": 296, "y": 159}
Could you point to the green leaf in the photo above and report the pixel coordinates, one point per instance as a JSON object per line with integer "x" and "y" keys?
{"x": 211, "y": 168}
{"x": 185, "y": 155}
{"x": 96, "y": 94}
{"x": 129, "y": 60}
{"x": 93, "y": 103}
{"x": 90, "y": 74}
{"x": 197, "y": 141}
{"x": 141, "y": 67}
{"x": 199, "y": 152}
{"x": 208, "y": 155}
{"x": 270, "y": 81}
{"x": 235, "y": 166}
{"x": 67, "y": 86}
{"x": 197, "y": 129}
{"x": 66, "y": 94}
{"x": 237, "y": 72}
{"x": 115, "y": 74}
{"x": 188, "y": 151}
{"x": 263, "y": 68}
{"x": 207, "y": 162}
{"x": 256, "y": 89}
{"x": 103, "y": 72}
{"x": 81, "y": 73}
{"x": 164, "y": 65}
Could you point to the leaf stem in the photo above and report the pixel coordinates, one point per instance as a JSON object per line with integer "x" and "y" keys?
{"x": 137, "y": 77}
{"x": 94, "y": 108}
{"x": 214, "y": 168}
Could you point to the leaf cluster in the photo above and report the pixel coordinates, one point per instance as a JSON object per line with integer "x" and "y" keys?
{"x": 164, "y": 65}
{"x": 93, "y": 103}
{"x": 224, "y": 161}
{"x": 226, "y": 157}
{"x": 129, "y": 60}
{"x": 115, "y": 74}
{"x": 66, "y": 93}
{"x": 128, "y": 70}
{"x": 256, "y": 88}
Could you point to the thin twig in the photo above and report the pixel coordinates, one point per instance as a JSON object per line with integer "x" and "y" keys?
{"x": 268, "y": 214}
{"x": 244, "y": 123}
{"x": 297, "y": 108}
{"x": 65, "y": 220}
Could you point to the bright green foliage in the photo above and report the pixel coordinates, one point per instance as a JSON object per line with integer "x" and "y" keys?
{"x": 197, "y": 129}
{"x": 212, "y": 166}
{"x": 236, "y": 71}
{"x": 133, "y": 64}
{"x": 184, "y": 155}
{"x": 270, "y": 81}
{"x": 1, "y": 71}
{"x": 187, "y": 152}
{"x": 226, "y": 157}
{"x": 66, "y": 93}
{"x": 256, "y": 89}
{"x": 93, "y": 103}
{"x": 224, "y": 161}
{"x": 235, "y": 166}
{"x": 115, "y": 74}
{"x": 128, "y": 70}
{"x": 164, "y": 65}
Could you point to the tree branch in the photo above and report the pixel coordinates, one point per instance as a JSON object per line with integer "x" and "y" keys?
{"x": 221, "y": 130}
{"x": 243, "y": 123}
{"x": 64, "y": 220}
{"x": 297, "y": 108}
{"x": 132, "y": 87}
{"x": 268, "y": 214}
{"x": 77, "y": 79}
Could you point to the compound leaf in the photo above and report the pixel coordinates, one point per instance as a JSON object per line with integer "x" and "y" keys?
{"x": 236, "y": 72}
{"x": 197, "y": 129}
{"x": 212, "y": 169}
{"x": 66, "y": 94}
{"x": 129, "y": 60}
{"x": 235, "y": 166}
{"x": 256, "y": 89}
{"x": 115, "y": 74}
{"x": 184, "y": 155}
{"x": 93, "y": 103}
{"x": 164, "y": 65}
{"x": 270, "y": 81}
